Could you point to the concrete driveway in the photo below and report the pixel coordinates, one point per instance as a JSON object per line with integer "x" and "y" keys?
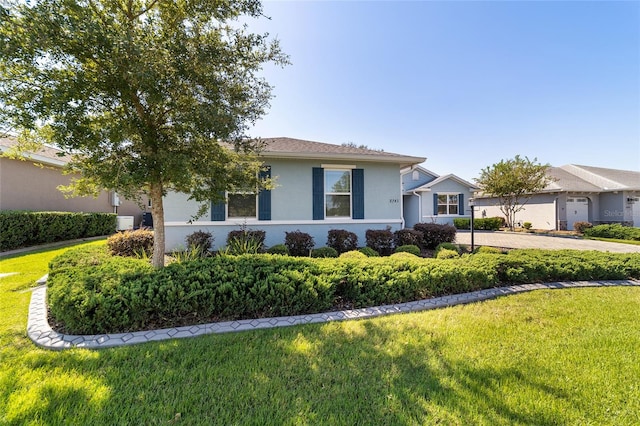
{"x": 522, "y": 240}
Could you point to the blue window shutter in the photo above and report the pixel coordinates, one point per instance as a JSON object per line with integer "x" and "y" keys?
{"x": 218, "y": 211}
{"x": 435, "y": 204}
{"x": 357, "y": 193}
{"x": 461, "y": 204}
{"x": 264, "y": 198}
{"x": 318, "y": 193}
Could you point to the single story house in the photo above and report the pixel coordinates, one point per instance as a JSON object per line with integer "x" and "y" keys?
{"x": 430, "y": 198}
{"x": 319, "y": 187}
{"x": 577, "y": 194}
{"x": 32, "y": 184}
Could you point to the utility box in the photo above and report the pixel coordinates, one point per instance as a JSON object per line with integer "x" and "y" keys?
{"x": 124, "y": 223}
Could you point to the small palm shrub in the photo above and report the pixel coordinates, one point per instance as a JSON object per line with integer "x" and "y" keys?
{"x": 200, "y": 240}
{"x": 527, "y": 225}
{"x": 131, "y": 243}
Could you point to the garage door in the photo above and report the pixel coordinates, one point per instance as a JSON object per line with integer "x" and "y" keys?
{"x": 577, "y": 211}
{"x": 636, "y": 211}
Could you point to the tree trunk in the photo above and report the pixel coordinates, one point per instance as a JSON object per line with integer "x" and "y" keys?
{"x": 157, "y": 212}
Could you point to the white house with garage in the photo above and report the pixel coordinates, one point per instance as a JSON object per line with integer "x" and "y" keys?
{"x": 577, "y": 194}
{"x": 319, "y": 187}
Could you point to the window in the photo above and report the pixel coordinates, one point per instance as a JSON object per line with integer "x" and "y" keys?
{"x": 242, "y": 205}
{"x": 447, "y": 204}
{"x": 337, "y": 190}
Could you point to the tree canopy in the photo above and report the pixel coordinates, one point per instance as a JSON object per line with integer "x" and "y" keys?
{"x": 513, "y": 182}
{"x": 146, "y": 95}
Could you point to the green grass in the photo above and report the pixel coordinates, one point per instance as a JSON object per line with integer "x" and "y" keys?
{"x": 614, "y": 240}
{"x": 546, "y": 357}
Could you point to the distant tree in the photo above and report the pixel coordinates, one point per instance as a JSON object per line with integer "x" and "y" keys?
{"x": 362, "y": 146}
{"x": 513, "y": 182}
{"x": 146, "y": 95}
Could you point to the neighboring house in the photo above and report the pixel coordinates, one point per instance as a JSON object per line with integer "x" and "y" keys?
{"x": 578, "y": 194}
{"x": 32, "y": 184}
{"x": 430, "y": 198}
{"x": 319, "y": 187}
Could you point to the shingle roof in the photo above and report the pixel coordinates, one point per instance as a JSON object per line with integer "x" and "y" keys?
{"x": 575, "y": 178}
{"x": 289, "y": 147}
{"x": 45, "y": 154}
{"x": 450, "y": 176}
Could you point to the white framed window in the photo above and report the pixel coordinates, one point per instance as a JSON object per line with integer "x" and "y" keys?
{"x": 447, "y": 204}
{"x": 242, "y": 205}
{"x": 337, "y": 193}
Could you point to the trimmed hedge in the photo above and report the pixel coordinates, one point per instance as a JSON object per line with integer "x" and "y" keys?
{"x": 434, "y": 234}
{"x": 615, "y": 231}
{"x": 91, "y": 292}
{"x": 479, "y": 224}
{"x": 24, "y": 228}
{"x": 380, "y": 240}
{"x": 342, "y": 240}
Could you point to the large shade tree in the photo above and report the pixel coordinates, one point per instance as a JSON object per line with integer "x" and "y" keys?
{"x": 146, "y": 95}
{"x": 513, "y": 182}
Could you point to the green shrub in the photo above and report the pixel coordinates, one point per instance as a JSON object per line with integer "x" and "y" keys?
{"x": 342, "y": 240}
{"x": 580, "y": 227}
{"x": 527, "y": 225}
{"x": 488, "y": 249}
{"x": 369, "y": 252}
{"x": 615, "y": 231}
{"x": 355, "y": 254}
{"x": 123, "y": 294}
{"x": 404, "y": 255}
{"x": 93, "y": 292}
{"x": 23, "y": 228}
{"x": 380, "y": 240}
{"x": 245, "y": 241}
{"x": 447, "y": 254}
{"x": 407, "y": 237}
{"x": 434, "y": 234}
{"x": 479, "y": 224}
{"x": 324, "y": 252}
{"x": 447, "y": 246}
{"x": 200, "y": 240}
{"x": 298, "y": 243}
{"x": 464, "y": 223}
{"x": 409, "y": 248}
{"x": 131, "y": 243}
{"x": 278, "y": 249}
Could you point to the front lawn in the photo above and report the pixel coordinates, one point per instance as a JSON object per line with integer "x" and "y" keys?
{"x": 546, "y": 357}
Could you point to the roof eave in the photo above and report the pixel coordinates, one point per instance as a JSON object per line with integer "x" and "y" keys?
{"x": 403, "y": 161}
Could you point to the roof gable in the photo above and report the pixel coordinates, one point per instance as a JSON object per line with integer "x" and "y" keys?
{"x": 428, "y": 186}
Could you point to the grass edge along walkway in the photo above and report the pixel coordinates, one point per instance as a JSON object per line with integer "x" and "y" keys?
{"x": 40, "y": 332}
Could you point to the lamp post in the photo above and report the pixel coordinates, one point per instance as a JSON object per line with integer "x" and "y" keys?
{"x": 472, "y": 206}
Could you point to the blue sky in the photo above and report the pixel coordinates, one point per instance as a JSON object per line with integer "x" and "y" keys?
{"x": 464, "y": 84}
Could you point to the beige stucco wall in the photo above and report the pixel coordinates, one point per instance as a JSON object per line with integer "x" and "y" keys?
{"x": 25, "y": 186}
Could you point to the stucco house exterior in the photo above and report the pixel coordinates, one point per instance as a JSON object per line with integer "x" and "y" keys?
{"x": 577, "y": 194}
{"x": 430, "y": 198}
{"x": 319, "y": 187}
{"x": 32, "y": 184}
